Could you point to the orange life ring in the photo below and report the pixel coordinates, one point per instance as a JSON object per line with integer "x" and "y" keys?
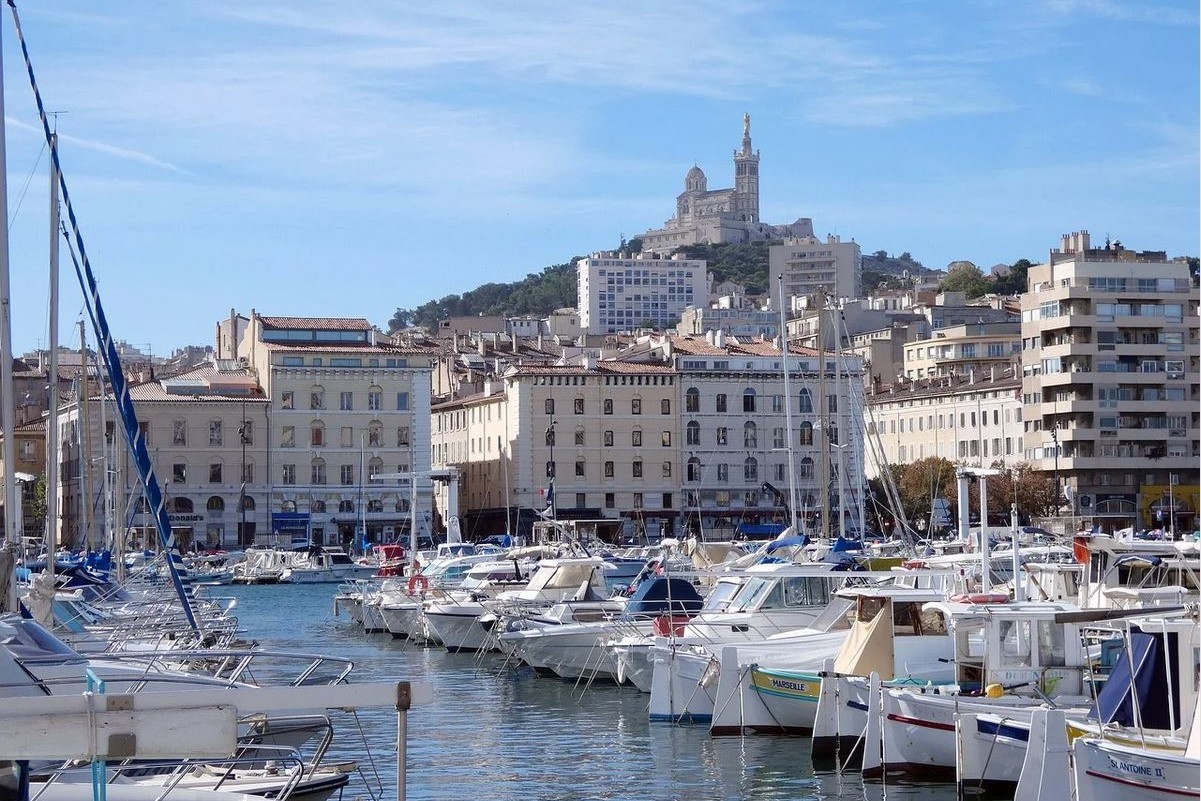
{"x": 416, "y": 580}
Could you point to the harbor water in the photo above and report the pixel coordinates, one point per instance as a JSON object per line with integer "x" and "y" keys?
{"x": 496, "y": 732}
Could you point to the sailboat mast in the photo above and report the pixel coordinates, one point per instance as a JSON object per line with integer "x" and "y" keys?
{"x": 839, "y": 407}
{"x": 823, "y": 441}
{"x": 107, "y": 481}
{"x": 52, "y": 518}
{"x": 792, "y": 502}
{"x": 8, "y": 450}
{"x": 504, "y": 463}
{"x": 85, "y": 441}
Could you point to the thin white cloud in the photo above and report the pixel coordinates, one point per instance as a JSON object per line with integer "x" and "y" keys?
{"x": 99, "y": 147}
{"x": 1155, "y": 12}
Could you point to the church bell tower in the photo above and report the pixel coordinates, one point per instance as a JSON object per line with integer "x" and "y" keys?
{"x": 746, "y": 176}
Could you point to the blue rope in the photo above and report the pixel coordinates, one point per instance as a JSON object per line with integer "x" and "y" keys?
{"x": 112, "y": 362}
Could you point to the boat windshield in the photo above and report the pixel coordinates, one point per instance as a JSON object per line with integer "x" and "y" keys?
{"x": 758, "y": 593}
{"x": 561, "y": 577}
{"x": 719, "y": 598}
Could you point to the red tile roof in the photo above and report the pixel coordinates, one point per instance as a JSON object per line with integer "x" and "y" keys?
{"x": 321, "y": 323}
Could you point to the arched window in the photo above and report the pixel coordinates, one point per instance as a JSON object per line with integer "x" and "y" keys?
{"x": 579, "y": 435}
{"x": 375, "y": 505}
{"x": 287, "y": 506}
{"x": 247, "y": 504}
{"x": 750, "y": 438}
{"x": 692, "y": 400}
{"x": 346, "y": 506}
{"x": 215, "y": 504}
{"x": 750, "y": 469}
{"x": 693, "y": 433}
{"x": 748, "y": 400}
{"x": 806, "y": 401}
{"x": 374, "y": 465}
{"x": 183, "y": 505}
{"x": 694, "y": 469}
{"x": 806, "y": 433}
{"x": 806, "y": 468}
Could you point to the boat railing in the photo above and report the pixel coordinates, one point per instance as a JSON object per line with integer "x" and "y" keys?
{"x": 175, "y": 771}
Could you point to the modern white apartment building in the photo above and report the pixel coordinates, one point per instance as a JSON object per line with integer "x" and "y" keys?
{"x": 616, "y": 293}
{"x": 808, "y": 264}
{"x": 346, "y": 403}
{"x": 1110, "y": 380}
{"x": 971, "y": 419}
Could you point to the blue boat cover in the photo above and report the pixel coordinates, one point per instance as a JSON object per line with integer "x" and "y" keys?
{"x": 788, "y": 542}
{"x": 841, "y": 544}
{"x": 761, "y": 529}
{"x": 1115, "y": 702}
{"x": 651, "y": 597}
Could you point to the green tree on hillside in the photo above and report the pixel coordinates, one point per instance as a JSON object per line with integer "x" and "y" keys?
{"x": 967, "y": 278}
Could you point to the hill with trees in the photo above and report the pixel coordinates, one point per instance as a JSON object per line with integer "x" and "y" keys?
{"x": 743, "y": 262}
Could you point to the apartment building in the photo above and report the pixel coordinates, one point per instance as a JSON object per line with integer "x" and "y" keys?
{"x": 30, "y": 461}
{"x": 1110, "y": 380}
{"x": 345, "y": 403}
{"x": 193, "y": 425}
{"x": 617, "y": 293}
{"x": 735, "y": 439}
{"x": 742, "y": 321}
{"x": 809, "y": 264}
{"x": 973, "y": 419}
{"x": 604, "y": 431}
{"x": 963, "y": 349}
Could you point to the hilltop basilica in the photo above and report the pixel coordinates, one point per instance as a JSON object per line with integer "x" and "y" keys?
{"x": 721, "y": 215}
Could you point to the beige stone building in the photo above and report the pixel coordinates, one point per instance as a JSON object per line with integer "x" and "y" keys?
{"x": 346, "y": 403}
{"x": 30, "y": 450}
{"x": 605, "y": 431}
{"x": 963, "y": 349}
{"x": 1110, "y": 380}
{"x": 192, "y": 425}
{"x": 973, "y": 420}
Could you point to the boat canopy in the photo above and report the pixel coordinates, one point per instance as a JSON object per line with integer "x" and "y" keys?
{"x": 657, "y": 595}
{"x": 1140, "y": 677}
{"x": 761, "y": 529}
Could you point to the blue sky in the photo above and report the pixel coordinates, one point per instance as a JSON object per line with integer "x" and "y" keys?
{"x": 349, "y": 158}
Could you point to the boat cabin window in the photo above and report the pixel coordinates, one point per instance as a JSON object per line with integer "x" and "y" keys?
{"x": 868, "y": 608}
{"x": 1052, "y": 650}
{"x": 806, "y": 591}
{"x": 338, "y": 558}
{"x": 589, "y": 615}
{"x": 722, "y": 592}
{"x": 932, "y": 621}
{"x": 906, "y": 619}
{"x": 1015, "y": 642}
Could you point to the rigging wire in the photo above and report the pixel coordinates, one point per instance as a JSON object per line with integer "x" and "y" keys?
{"x": 25, "y": 187}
